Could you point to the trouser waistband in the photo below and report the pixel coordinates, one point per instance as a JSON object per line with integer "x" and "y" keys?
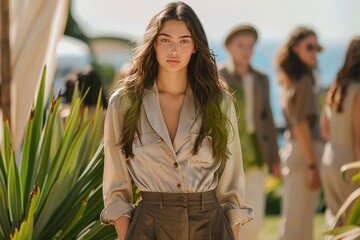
{"x": 179, "y": 199}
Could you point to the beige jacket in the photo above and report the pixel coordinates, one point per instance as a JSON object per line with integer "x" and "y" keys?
{"x": 159, "y": 165}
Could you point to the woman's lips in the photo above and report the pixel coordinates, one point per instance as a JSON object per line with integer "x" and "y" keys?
{"x": 173, "y": 61}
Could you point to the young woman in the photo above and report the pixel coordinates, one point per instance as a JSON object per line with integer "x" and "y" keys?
{"x": 303, "y": 150}
{"x": 171, "y": 129}
{"x": 256, "y": 126}
{"x": 340, "y": 124}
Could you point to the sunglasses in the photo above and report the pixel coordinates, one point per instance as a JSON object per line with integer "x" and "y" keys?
{"x": 313, "y": 47}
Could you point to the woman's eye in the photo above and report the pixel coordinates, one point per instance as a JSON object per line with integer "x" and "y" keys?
{"x": 164, "y": 40}
{"x": 185, "y": 41}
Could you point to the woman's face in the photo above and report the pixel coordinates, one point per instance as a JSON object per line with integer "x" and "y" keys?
{"x": 241, "y": 48}
{"x": 307, "y": 49}
{"x": 174, "y": 46}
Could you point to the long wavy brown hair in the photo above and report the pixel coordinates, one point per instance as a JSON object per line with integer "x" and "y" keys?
{"x": 290, "y": 65}
{"x": 202, "y": 75}
{"x": 349, "y": 73}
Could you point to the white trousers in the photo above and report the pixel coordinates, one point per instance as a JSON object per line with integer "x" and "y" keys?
{"x": 299, "y": 201}
{"x": 255, "y": 197}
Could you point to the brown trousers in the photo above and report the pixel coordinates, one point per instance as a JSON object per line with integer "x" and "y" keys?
{"x": 179, "y": 216}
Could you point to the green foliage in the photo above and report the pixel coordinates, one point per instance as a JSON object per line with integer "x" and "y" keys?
{"x": 273, "y": 189}
{"x": 350, "y": 230}
{"x": 73, "y": 29}
{"x": 107, "y": 73}
{"x": 56, "y": 191}
{"x": 353, "y": 166}
{"x": 27, "y": 226}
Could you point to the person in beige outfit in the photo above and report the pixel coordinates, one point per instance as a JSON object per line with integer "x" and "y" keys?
{"x": 256, "y": 126}
{"x": 341, "y": 126}
{"x": 302, "y": 153}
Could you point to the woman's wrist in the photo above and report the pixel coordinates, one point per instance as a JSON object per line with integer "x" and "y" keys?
{"x": 312, "y": 166}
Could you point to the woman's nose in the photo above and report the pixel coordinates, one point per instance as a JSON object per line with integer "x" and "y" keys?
{"x": 174, "y": 53}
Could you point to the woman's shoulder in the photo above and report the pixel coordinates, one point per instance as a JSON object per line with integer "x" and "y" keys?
{"x": 357, "y": 93}
{"x": 353, "y": 90}
{"x": 355, "y": 85}
{"x": 226, "y": 95}
{"x": 227, "y": 100}
{"x": 308, "y": 76}
{"x": 119, "y": 99}
{"x": 303, "y": 83}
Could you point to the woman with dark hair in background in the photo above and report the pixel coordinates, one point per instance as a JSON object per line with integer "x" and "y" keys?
{"x": 90, "y": 85}
{"x": 340, "y": 124}
{"x": 171, "y": 129}
{"x": 302, "y": 152}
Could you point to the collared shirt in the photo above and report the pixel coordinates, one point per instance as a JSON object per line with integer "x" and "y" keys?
{"x": 299, "y": 102}
{"x": 159, "y": 165}
{"x": 248, "y": 83}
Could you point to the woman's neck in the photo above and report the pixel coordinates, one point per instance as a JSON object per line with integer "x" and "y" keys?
{"x": 173, "y": 83}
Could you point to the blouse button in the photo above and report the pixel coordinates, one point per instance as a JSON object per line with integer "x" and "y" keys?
{"x": 179, "y": 185}
{"x": 176, "y": 165}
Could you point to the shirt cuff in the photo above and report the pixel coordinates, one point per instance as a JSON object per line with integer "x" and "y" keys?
{"x": 239, "y": 216}
{"x": 115, "y": 210}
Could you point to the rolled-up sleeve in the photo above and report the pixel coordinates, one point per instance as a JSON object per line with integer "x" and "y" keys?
{"x": 117, "y": 188}
{"x": 302, "y": 103}
{"x": 231, "y": 187}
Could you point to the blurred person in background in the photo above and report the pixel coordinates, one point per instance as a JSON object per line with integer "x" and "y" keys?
{"x": 302, "y": 152}
{"x": 256, "y": 127}
{"x": 89, "y": 84}
{"x": 340, "y": 125}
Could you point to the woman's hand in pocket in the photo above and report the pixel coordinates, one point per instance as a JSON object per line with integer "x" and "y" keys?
{"x": 313, "y": 178}
{"x": 235, "y": 231}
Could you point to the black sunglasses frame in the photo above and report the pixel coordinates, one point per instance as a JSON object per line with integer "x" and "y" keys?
{"x": 312, "y": 47}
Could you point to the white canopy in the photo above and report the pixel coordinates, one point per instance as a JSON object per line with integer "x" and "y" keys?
{"x": 35, "y": 28}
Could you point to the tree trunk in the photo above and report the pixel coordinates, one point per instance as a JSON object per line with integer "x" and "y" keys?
{"x": 5, "y": 60}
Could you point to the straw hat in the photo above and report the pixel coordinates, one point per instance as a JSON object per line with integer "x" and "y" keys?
{"x": 240, "y": 29}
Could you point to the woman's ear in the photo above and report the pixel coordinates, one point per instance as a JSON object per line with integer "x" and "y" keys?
{"x": 295, "y": 48}
{"x": 194, "y": 50}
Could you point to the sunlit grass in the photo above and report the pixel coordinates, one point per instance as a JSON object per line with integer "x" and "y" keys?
{"x": 270, "y": 230}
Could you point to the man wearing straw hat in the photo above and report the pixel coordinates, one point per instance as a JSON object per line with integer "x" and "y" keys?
{"x": 256, "y": 127}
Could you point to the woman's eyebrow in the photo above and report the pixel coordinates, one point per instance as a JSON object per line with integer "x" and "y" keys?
{"x": 167, "y": 35}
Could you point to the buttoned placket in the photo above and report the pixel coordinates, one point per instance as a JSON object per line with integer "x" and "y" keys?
{"x": 187, "y": 119}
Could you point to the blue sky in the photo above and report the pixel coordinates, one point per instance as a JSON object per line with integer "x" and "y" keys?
{"x": 332, "y": 19}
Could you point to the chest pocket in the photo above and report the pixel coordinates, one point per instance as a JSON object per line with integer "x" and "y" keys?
{"x": 204, "y": 157}
{"x": 146, "y": 149}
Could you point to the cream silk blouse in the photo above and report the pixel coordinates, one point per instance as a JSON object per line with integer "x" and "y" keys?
{"x": 159, "y": 165}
